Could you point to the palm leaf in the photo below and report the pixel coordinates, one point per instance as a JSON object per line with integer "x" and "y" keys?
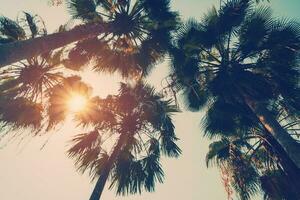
{"x": 11, "y": 30}
{"x": 83, "y": 9}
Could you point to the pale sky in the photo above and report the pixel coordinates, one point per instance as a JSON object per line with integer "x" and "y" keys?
{"x": 28, "y": 173}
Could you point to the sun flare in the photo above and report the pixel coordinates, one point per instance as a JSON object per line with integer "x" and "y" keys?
{"x": 77, "y": 103}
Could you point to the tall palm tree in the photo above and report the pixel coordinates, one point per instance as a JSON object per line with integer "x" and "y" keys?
{"x": 243, "y": 59}
{"x": 253, "y": 167}
{"x": 130, "y": 131}
{"x": 23, "y": 85}
{"x": 249, "y": 157}
{"x": 125, "y": 23}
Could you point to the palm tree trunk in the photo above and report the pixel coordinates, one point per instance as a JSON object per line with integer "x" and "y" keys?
{"x": 291, "y": 146}
{"x": 288, "y": 166}
{"x": 16, "y": 51}
{"x": 98, "y": 189}
{"x": 104, "y": 174}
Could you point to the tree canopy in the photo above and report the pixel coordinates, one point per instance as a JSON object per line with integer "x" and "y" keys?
{"x": 239, "y": 64}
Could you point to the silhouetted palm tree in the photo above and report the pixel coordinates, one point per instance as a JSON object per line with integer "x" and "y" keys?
{"x": 23, "y": 85}
{"x": 31, "y": 77}
{"x": 130, "y": 131}
{"x": 130, "y": 26}
{"x": 249, "y": 157}
{"x": 139, "y": 35}
{"x": 252, "y": 164}
{"x": 242, "y": 59}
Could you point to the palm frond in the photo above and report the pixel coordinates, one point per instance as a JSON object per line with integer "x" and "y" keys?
{"x": 15, "y": 112}
{"x": 154, "y": 172}
{"x": 11, "y": 30}
{"x": 83, "y": 9}
{"x": 218, "y": 153}
{"x": 232, "y": 14}
{"x": 254, "y": 30}
{"x": 32, "y": 25}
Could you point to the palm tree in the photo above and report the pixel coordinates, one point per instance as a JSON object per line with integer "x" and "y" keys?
{"x": 241, "y": 58}
{"x": 139, "y": 38}
{"x": 136, "y": 126}
{"x": 249, "y": 157}
{"x": 252, "y": 163}
{"x": 24, "y": 85}
{"x": 251, "y": 160}
{"x": 35, "y": 75}
{"x": 131, "y": 26}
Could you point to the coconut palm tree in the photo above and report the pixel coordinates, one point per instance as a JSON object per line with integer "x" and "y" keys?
{"x": 129, "y": 133}
{"x": 131, "y": 26}
{"x": 241, "y": 58}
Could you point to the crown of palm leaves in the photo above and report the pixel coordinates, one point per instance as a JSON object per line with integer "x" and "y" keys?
{"x": 139, "y": 119}
{"x": 24, "y": 85}
{"x": 136, "y": 40}
{"x": 226, "y": 49}
{"x": 32, "y": 77}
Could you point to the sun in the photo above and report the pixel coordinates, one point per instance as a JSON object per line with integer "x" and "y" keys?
{"x": 77, "y": 103}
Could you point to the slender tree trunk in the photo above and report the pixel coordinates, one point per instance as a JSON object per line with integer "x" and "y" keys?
{"x": 104, "y": 174}
{"x": 288, "y": 166}
{"x": 287, "y": 163}
{"x": 290, "y": 146}
{"x": 16, "y": 51}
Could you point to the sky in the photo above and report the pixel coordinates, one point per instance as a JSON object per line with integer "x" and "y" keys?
{"x": 30, "y": 172}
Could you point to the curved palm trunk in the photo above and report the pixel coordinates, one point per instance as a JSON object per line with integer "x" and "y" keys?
{"x": 290, "y": 146}
{"x": 104, "y": 174}
{"x": 16, "y": 51}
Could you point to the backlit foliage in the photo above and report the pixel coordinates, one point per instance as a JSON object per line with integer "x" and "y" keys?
{"x": 137, "y": 38}
{"x": 24, "y": 85}
{"x": 136, "y": 123}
